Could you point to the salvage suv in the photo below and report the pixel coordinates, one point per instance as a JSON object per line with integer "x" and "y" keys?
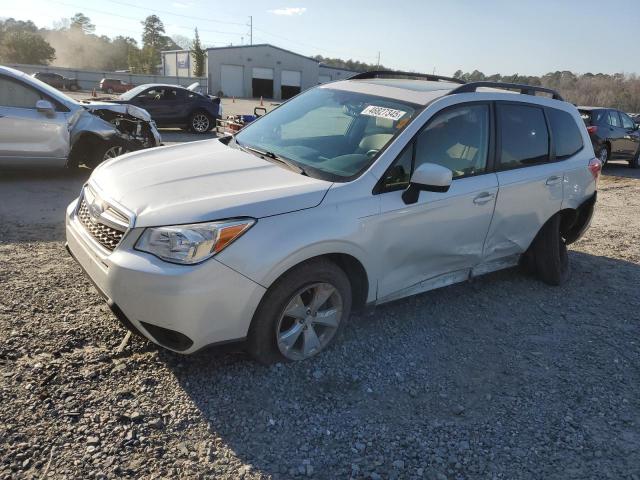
{"x": 41, "y": 126}
{"x": 351, "y": 194}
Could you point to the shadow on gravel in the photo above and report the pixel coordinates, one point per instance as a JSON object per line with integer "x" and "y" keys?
{"x": 499, "y": 376}
{"x": 33, "y": 202}
{"x": 620, "y": 169}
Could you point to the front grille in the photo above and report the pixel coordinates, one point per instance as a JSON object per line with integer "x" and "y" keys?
{"x": 106, "y": 236}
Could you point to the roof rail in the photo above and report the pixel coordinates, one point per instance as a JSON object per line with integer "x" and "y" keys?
{"x": 405, "y": 75}
{"x": 523, "y": 89}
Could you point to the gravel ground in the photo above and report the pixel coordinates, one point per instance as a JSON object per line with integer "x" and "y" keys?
{"x": 502, "y": 377}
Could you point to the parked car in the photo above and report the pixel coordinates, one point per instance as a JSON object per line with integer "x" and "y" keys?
{"x": 635, "y": 117}
{"x": 57, "y": 81}
{"x": 40, "y": 125}
{"x": 613, "y": 133}
{"x": 352, "y": 194}
{"x": 175, "y": 106}
{"x": 112, "y": 85}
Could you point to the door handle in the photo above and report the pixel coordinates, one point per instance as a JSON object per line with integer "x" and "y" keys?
{"x": 483, "y": 198}
{"x": 553, "y": 180}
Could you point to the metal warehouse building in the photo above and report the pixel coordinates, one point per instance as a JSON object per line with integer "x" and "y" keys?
{"x": 255, "y": 71}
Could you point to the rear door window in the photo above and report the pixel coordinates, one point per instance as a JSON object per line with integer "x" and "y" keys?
{"x": 614, "y": 119}
{"x": 567, "y": 138}
{"x": 524, "y": 137}
{"x": 627, "y": 123}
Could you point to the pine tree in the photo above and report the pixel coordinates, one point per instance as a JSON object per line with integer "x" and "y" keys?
{"x": 199, "y": 56}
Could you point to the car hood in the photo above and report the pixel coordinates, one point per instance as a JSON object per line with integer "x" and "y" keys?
{"x": 123, "y": 109}
{"x": 202, "y": 181}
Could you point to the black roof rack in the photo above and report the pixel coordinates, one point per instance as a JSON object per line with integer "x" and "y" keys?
{"x": 523, "y": 89}
{"x": 405, "y": 75}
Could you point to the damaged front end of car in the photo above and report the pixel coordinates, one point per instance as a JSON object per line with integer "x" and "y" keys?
{"x": 103, "y": 130}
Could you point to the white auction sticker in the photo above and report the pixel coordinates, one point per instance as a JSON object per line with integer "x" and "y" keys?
{"x": 383, "y": 112}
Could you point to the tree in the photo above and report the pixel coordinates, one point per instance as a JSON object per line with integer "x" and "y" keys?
{"x": 26, "y": 47}
{"x": 199, "y": 56}
{"x": 181, "y": 41}
{"x": 153, "y": 42}
{"x": 83, "y": 23}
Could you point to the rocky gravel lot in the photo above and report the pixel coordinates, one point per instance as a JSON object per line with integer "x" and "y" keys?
{"x": 499, "y": 378}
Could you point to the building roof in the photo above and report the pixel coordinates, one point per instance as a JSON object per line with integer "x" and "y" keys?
{"x": 263, "y": 45}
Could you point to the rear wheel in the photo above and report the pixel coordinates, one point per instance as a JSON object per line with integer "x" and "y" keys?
{"x": 635, "y": 161}
{"x": 549, "y": 254}
{"x": 301, "y": 314}
{"x": 200, "y": 122}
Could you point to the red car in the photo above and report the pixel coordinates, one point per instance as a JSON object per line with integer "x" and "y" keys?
{"x": 112, "y": 85}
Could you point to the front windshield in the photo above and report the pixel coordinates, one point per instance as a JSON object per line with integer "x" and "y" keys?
{"x": 334, "y": 133}
{"x": 133, "y": 92}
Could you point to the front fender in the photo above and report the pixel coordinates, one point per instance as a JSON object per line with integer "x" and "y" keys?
{"x": 276, "y": 244}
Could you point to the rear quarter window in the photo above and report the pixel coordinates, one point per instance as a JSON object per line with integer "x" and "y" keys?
{"x": 567, "y": 138}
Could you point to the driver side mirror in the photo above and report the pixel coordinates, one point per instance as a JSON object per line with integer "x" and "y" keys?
{"x": 45, "y": 106}
{"x": 428, "y": 177}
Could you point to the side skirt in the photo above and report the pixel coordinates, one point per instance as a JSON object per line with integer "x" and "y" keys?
{"x": 451, "y": 278}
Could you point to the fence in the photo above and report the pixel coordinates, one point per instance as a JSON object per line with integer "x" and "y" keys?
{"x": 89, "y": 79}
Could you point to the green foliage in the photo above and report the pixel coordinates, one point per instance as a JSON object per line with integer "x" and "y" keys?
{"x": 199, "y": 56}
{"x": 26, "y": 47}
{"x": 153, "y": 42}
{"x": 82, "y": 22}
{"x": 353, "y": 65}
{"x": 602, "y": 90}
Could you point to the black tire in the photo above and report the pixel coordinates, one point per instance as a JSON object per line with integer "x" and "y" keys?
{"x": 201, "y": 122}
{"x": 103, "y": 151}
{"x": 262, "y": 338}
{"x": 635, "y": 161}
{"x": 550, "y": 254}
{"x": 603, "y": 154}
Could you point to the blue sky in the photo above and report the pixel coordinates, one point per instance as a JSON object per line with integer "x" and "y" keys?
{"x": 494, "y": 36}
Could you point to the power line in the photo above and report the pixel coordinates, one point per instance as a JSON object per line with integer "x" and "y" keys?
{"x": 175, "y": 14}
{"x": 138, "y": 20}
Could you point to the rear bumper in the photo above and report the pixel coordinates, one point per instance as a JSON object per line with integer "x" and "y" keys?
{"x": 582, "y": 220}
{"x": 182, "y": 308}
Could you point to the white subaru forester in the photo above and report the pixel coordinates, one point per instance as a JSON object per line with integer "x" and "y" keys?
{"x": 353, "y": 193}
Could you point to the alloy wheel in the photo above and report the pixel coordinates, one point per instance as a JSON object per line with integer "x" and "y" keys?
{"x": 200, "y": 123}
{"x": 309, "y": 321}
{"x": 113, "y": 152}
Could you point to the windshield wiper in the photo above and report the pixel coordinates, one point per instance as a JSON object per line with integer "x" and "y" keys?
{"x": 262, "y": 153}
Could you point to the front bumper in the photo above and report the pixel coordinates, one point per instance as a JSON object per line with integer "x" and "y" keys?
{"x": 182, "y": 308}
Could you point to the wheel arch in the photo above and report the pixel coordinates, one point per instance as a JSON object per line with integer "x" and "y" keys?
{"x": 83, "y": 142}
{"x": 353, "y": 267}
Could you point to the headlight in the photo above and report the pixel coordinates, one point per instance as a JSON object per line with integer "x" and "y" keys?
{"x": 194, "y": 243}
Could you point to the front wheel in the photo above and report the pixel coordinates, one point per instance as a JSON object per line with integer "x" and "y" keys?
{"x": 200, "y": 122}
{"x": 104, "y": 151}
{"x": 301, "y": 314}
{"x": 550, "y": 254}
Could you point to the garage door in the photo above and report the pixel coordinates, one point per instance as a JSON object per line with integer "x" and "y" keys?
{"x": 290, "y": 84}
{"x": 231, "y": 80}
{"x": 262, "y": 82}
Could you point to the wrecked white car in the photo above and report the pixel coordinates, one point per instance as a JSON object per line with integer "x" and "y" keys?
{"x": 41, "y": 126}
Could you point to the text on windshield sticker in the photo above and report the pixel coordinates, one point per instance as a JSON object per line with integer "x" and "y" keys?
{"x": 383, "y": 112}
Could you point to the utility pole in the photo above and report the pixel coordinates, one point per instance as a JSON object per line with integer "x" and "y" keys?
{"x": 250, "y": 25}
{"x": 378, "y": 65}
